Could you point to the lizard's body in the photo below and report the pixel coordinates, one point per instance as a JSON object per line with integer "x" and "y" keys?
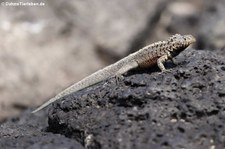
{"x": 156, "y": 53}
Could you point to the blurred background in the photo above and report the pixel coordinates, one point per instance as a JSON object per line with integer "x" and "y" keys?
{"x": 44, "y": 49}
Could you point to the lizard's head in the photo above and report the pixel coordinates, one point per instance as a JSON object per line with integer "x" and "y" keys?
{"x": 179, "y": 43}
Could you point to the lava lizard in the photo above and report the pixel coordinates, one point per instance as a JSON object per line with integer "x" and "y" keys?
{"x": 156, "y": 53}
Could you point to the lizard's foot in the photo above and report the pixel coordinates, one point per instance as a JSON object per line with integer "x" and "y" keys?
{"x": 119, "y": 78}
{"x": 164, "y": 71}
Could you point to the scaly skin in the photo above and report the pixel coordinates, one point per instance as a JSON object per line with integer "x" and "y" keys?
{"x": 154, "y": 54}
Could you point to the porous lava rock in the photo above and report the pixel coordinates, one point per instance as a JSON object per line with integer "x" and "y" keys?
{"x": 180, "y": 108}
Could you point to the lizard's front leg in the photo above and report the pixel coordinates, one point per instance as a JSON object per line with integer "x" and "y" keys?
{"x": 170, "y": 57}
{"x": 160, "y": 62}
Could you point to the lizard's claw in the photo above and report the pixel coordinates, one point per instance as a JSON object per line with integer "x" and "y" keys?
{"x": 119, "y": 78}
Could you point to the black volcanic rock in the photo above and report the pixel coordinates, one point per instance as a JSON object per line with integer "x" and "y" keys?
{"x": 180, "y": 108}
{"x": 28, "y": 131}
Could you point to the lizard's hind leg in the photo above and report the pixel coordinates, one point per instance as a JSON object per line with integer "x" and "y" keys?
{"x": 124, "y": 69}
{"x": 119, "y": 78}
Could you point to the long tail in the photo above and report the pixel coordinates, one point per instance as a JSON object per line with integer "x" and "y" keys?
{"x": 119, "y": 67}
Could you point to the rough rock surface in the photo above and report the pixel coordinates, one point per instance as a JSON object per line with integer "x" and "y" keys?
{"x": 29, "y": 131}
{"x": 180, "y": 108}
